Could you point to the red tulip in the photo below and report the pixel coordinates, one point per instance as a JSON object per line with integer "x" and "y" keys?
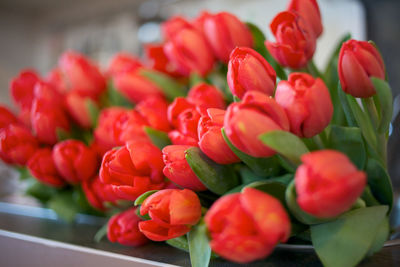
{"x": 56, "y": 78}
{"x": 173, "y": 26}
{"x": 133, "y": 169}
{"x": 157, "y": 60}
{"x": 123, "y": 228}
{"x": 249, "y": 71}
{"x": 46, "y": 118}
{"x": 328, "y": 183}
{"x": 17, "y": 144}
{"x": 295, "y": 41}
{"x": 7, "y": 117}
{"x": 211, "y": 141}
{"x": 247, "y": 226}
{"x": 178, "y": 170}
{"x": 358, "y": 61}
{"x": 42, "y": 167}
{"x": 47, "y": 92}
{"x": 122, "y": 62}
{"x": 22, "y": 88}
{"x": 75, "y": 161}
{"x": 206, "y": 96}
{"x": 79, "y": 74}
{"x": 255, "y": 115}
{"x": 154, "y": 110}
{"x": 78, "y": 109}
{"x": 189, "y": 51}
{"x": 97, "y": 193}
{"x": 309, "y": 11}
{"x": 172, "y": 213}
{"x": 224, "y": 31}
{"x": 307, "y": 103}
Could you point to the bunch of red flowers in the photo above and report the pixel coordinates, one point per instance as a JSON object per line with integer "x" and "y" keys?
{"x": 251, "y": 159}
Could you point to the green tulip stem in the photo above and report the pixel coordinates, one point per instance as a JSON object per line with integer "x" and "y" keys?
{"x": 313, "y": 70}
{"x": 382, "y": 148}
{"x": 369, "y": 106}
{"x": 360, "y": 203}
{"x": 318, "y": 141}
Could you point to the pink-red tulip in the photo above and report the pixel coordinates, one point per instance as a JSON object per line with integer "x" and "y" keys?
{"x": 122, "y": 62}
{"x": 172, "y": 213}
{"x": 157, "y": 60}
{"x": 307, "y": 103}
{"x": 7, "y": 117}
{"x": 22, "y": 88}
{"x": 178, "y": 170}
{"x": 206, "y": 96}
{"x": 173, "y": 26}
{"x": 358, "y": 61}
{"x": 17, "y": 144}
{"x": 255, "y": 115}
{"x": 41, "y": 166}
{"x": 294, "y": 41}
{"x": 97, "y": 193}
{"x": 211, "y": 141}
{"x": 154, "y": 110}
{"x": 249, "y": 71}
{"x": 123, "y": 228}
{"x": 309, "y": 11}
{"x": 247, "y": 226}
{"x": 75, "y": 161}
{"x": 133, "y": 169}
{"x": 328, "y": 183}
{"x": 77, "y": 106}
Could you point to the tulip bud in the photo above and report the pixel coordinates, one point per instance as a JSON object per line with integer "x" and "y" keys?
{"x": 328, "y": 183}
{"x": 173, "y": 26}
{"x": 22, "y": 88}
{"x": 358, "y": 61}
{"x": 7, "y": 117}
{"x": 295, "y": 41}
{"x": 255, "y": 115}
{"x": 123, "y": 228}
{"x": 190, "y": 52}
{"x": 154, "y": 110}
{"x": 75, "y": 161}
{"x": 98, "y": 192}
{"x": 249, "y": 71}
{"x": 17, "y": 144}
{"x": 224, "y": 31}
{"x": 307, "y": 103}
{"x": 122, "y": 62}
{"x": 211, "y": 141}
{"x": 172, "y": 213}
{"x": 247, "y": 226}
{"x": 42, "y": 167}
{"x": 157, "y": 60}
{"x": 133, "y": 169}
{"x": 309, "y": 11}
{"x": 47, "y": 92}
{"x": 178, "y": 170}
{"x": 206, "y": 96}
{"x": 78, "y": 109}
{"x": 56, "y": 78}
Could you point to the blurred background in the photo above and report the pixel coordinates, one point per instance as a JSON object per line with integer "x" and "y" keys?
{"x": 33, "y": 33}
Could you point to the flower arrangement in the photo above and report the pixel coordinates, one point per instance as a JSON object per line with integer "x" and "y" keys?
{"x": 220, "y": 142}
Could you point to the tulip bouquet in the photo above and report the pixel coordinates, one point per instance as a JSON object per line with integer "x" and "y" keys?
{"x": 220, "y": 142}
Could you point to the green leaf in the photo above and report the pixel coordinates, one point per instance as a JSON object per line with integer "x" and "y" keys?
{"x": 349, "y": 141}
{"x": 379, "y": 182}
{"x": 287, "y": 144}
{"x": 114, "y": 98}
{"x": 62, "y": 134}
{"x": 199, "y": 249}
{"x": 143, "y": 197}
{"x": 93, "y": 110}
{"x": 216, "y": 177}
{"x": 159, "y": 138}
{"x": 351, "y": 121}
{"x": 381, "y": 236}
{"x": 101, "y": 233}
{"x": 335, "y": 53}
{"x": 64, "y": 205}
{"x": 248, "y": 176}
{"x": 273, "y": 188}
{"x": 180, "y": 242}
{"x": 40, "y": 191}
{"x": 195, "y": 79}
{"x": 386, "y": 103}
{"x": 169, "y": 86}
{"x": 24, "y": 173}
{"x": 347, "y": 240}
{"x": 261, "y": 166}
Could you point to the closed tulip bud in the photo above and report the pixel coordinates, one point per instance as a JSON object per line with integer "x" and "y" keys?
{"x": 75, "y": 161}
{"x": 22, "y": 88}
{"x": 123, "y": 228}
{"x": 307, "y": 103}
{"x": 173, "y": 26}
{"x": 122, "y": 62}
{"x": 78, "y": 109}
{"x": 17, "y": 144}
{"x": 46, "y": 118}
{"x": 206, "y": 96}
{"x": 172, "y": 213}
{"x": 224, "y": 31}
{"x": 294, "y": 40}
{"x": 358, "y": 61}
{"x": 249, "y": 71}
{"x": 97, "y": 193}
{"x": 256, "y": 114}
{"x": 154, "y": 110}
{"x": 211, "y": 141}
{"x": 247, "y": 226}
{"x": 56, "y": 78}
{"x": 327, "y": 183}
{"x": 136, "y": 87}
{"x": 157, "y": 60}
{"x": 42, "y": 167}
{"x": 81, "y": 75}
{"x": 133, "y": 169}
{"x": 178, "y": 170}
{"x": 7, "y": 117}
{"x": 309, "y": 11}
{"x": 190, "y": 52}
